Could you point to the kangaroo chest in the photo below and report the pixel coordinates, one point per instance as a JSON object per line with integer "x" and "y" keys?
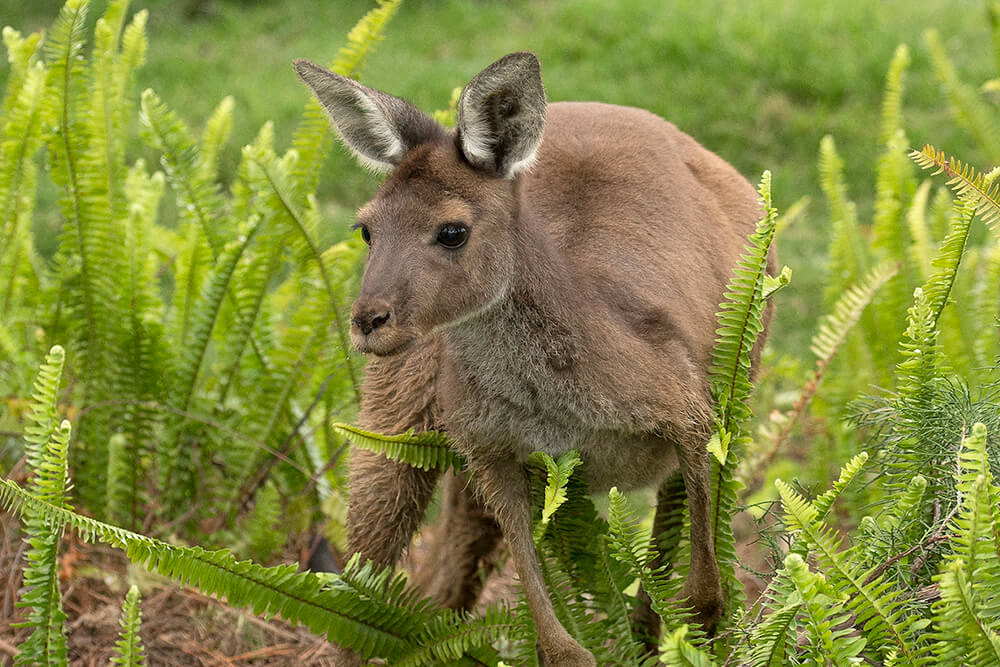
{"x": 523, "y": 385}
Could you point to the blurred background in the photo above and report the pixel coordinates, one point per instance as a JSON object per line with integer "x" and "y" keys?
{"x": 759, "y": 81}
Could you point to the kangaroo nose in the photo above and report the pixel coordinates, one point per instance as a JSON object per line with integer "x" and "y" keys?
{"x": 369, "y": 321}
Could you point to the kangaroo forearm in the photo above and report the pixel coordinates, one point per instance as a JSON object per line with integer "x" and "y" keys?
{"x": 388, "y": 500}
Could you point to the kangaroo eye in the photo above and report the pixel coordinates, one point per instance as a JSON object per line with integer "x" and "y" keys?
{"x": 365, "y": 234}
{"x": 453, "y": 235}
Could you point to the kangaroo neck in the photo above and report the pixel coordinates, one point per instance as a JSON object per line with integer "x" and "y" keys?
{"x": 535, "y": 316}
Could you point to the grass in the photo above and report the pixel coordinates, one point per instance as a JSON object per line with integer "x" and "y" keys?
{"x": 759, "y": 81}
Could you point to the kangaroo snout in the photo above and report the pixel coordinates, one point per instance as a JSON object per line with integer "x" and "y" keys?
{"x": 368, "y": 318}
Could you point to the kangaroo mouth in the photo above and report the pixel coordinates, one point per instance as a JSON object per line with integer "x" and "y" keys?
{"x": 382, "y": 343}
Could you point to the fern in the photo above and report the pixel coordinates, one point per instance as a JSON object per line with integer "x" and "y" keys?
{"x": 362, "y": 609}
{"x": 969, "y": 109}
{"x": 629, "y": 544}
{"x": 848, "y": 473}
{"x": 832, "y": 635}
{"x": 893, "y": 175}
{"x": 47, "y": 448}
{"x": 676, "y": 651}
{"x": 968, "y": 622}
{"x": 980, "y": 191}
{"x": 920, "y": 249}
{"x": 833, "y": 330}
{"x": 740, "y": 323}
{"x": 198, "y": 198}
{"x": 129, "y": 651}
{"x": 877, "y": 607}
{"x": 273, "y": 179}
{"x": 848, "y": 255}
{"x": 22, "y": 54}
{"x": 263, "y": 530}
{"x": 772, "y": 640}
{"x": 427, "y": 450}
{"x": 557, "y": 477}
{"x": 900, "y": 525}
{"x": 218, "y": 127}
{"x": 456, "y": 638}
{"x": 20, "y": 139}
{"x": 141, "y": 364}
{"x": 177, "y": 461}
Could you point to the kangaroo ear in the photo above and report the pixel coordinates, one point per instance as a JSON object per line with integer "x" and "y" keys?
{"x": 376, "y": 126}
{"x": 501, "y": 115}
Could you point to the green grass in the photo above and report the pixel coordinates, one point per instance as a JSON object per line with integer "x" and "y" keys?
{"x": 758, "y": 81}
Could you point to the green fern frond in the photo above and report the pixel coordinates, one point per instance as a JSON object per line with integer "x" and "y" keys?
{"x": 142, "y": 352}
{"x": 363, "y": 608}
{"x": 312, "y": 139}
{"x": 772, "y": 638}
{"x": 22, "y": 55}
{"x": 557, "y": 477}
{"x": 833, "y": 639}
{"x": 772, "y": 641}
{"x": 272, "y": 180}
{"x": 47, "y": 450}
{"x": 177, "y": 460}
{"x": 131, "y": 58}
{"x": 920, "y": 249}
{"x": 969, "y": 109}
{"x": 848, "y": 250}
{"x": 892, "y": 98}
{"x": 452, "y": 636}
{"x": 848, "y": 474}
{"x": 46, "y": 645}
{"x": 980, "y": 190}
{"x": 877, "y": 606}
{"x": 918, "y": 373}
{"x": 524, "y": 636}
{"x": 24, "y": 117}
{"x": 967, "y": 617}
{"x": 676, "y": 651}
{"x": 963, "y": 637}
{"x": 218, "y": 127}
{"x": 44, "y": 406}
{"x": 740, "y": 323}
{"x": 264, "y": 533}
{"x": 129, "y": 651}
{"x": 893, "y": 178}
{"x": 69, "y": 103}
{"x": 118, "y": 478}
{"x": 986, "y": 305}
{"x": 835, "y": 326}
{"x": 427, "y": 450}
{"x": 833, "y": 330}
{"x": 630, "y": 544}
{"x": 198, "y": 199}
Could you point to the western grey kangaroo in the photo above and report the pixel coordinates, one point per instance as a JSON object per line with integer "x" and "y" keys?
{"x": 543, "y": 277}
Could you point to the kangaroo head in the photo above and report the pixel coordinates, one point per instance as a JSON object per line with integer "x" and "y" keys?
{"x": 439, "y": 229}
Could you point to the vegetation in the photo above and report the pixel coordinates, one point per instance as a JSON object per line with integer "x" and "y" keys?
{"x": 195, "y": 380}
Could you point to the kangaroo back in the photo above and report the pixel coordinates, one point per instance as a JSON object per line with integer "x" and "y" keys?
{"x": 651, "y": 222}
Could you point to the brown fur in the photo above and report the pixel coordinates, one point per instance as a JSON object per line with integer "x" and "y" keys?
{"x": 580, "y": 314}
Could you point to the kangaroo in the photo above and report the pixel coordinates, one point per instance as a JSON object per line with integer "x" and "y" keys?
{"x": 543, "y": 277}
